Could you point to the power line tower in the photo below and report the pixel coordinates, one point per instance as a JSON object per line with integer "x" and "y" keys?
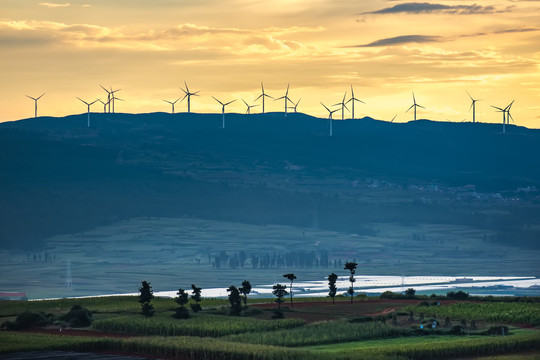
{"x": 69, "y": 280}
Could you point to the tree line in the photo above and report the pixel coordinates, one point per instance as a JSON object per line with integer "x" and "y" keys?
{"x": 237, "y": 295}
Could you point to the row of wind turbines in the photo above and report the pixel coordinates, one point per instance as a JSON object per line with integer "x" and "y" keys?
{"x": 111, "y": 98}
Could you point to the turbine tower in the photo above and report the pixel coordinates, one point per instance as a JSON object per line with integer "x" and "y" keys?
{"x": 353, "y": 99}
{"x": 504, "y": 114}
{"x": 188, "y": 95}
{"x": 88, "y": 104}
{"x": 248, "y": 107}
{"x": 286, "y": 98}
{"x": 343, "y": 106}
{"x": 263, "y": 94}
{"x": 330, "y": 112}
{"x": 223, "y": 111}
{"x": 172, "y": 103}
{"x": 473, "y": 107}
{"x": 35, "y": 103}
{"x": 296, "y": 105}
{"x": 415, "y": 105}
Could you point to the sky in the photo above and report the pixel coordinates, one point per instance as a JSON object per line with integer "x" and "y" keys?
{"x": 384, "y": 49}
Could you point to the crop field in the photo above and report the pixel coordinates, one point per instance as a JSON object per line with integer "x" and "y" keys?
{"x": 349, "y": 331}
{"x": 175, "y": 252}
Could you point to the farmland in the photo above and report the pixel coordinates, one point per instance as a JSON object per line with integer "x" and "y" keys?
{"x": 312, "y": 329}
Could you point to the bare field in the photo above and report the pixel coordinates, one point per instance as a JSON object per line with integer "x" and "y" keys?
{"x": 176, "y": 252}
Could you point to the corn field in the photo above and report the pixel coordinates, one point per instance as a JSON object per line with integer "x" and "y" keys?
{"x": 319, "y": 333}
{"x": 202, "y": 325}
{"x": 517, "y": 313}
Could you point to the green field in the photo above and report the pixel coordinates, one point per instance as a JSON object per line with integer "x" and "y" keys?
{"x": 348, "y": 332}
{"x": 175, "y": 252}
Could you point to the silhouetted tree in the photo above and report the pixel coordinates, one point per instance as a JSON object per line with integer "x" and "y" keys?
{"x": 351, "y": 266}
{"x": 332, "y": 278}
{"x": 234, "y": 300}
{"x": 197, "y": 297}
{"x": 410, "y": 292}
{"x": 279, "y": 291}
{"x": 291, "y": 277}
{"x": 181, "y": 299}
{"x": 145, "y": 297}
{"x": 245, "y": 289}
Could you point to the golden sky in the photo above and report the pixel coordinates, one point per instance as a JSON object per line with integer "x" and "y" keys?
{"x": 385, "y": 49}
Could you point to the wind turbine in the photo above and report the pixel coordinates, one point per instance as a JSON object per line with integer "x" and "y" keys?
{"x": 110, "y": 97}
{"x": 223, "y": 110}
{"x": 394, "y": 118}
{"x": 330, "y": 112}
{"x": 415, "y": 105}
{"x": 353, "y": 99}
{"x": 473, "y": 107}
{"x": 172, "y": 103}
{"x": 343, "y": 106}
{"x": 35, "y": 103}
{"x": 286, "y": 98}
{"x": 263, "y": 94}
{"x": 188, "y": 95}
{"x": 104, "y": 105}
{"x": 248, "y": 110}
{"x": 88, "y": 104}
{"x": 296, "y": 105}
{"x": 505, "y": 111}
{"x": 114, "y": 98}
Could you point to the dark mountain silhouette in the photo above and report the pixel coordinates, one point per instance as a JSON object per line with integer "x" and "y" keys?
{"x": 59, "y": 176}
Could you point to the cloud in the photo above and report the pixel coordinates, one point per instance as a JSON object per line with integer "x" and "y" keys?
{"x": 404, "y": 39}
{"x": 422, "y": 8}
{"x": 54, "y": 5}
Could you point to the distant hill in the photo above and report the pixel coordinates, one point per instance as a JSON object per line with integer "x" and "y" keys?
{"x": 58, "y": 176}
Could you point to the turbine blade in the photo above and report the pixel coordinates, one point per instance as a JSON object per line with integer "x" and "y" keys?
{"x": 167, "y": 101}
{"x": 420, "y": 106}
{"x": 469, "y": 95}
{"x": 30, "y": 97}
{"x": 218, "y": 100}
{"x": 104, "y": 89}
{"x": 40, "y": 96}
{"x": 410, "y": 108}
{"x": 414, "y": 99}
{"x": 393, "y": 118}
{"x": 185, "y": 83}
{"x": 82, "y": 100}
{"x": 259, "y": 97}
{"x": 298, "y": 102}
{"x": 245, "y": 102}
{"x": 343, "y": 101}
{"x": 326, "y": 108}
{"x": 287, "y": 92}
{"x": 231, "y": 102}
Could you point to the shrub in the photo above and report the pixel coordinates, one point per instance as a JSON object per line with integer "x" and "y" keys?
{"x": 27, "y": 320}
{"x": 78, "y": 317}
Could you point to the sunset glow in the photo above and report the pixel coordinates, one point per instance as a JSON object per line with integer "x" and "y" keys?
{"x": 385, "y": 49}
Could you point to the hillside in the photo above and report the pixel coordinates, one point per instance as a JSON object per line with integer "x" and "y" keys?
{"x": 58, "y": 176}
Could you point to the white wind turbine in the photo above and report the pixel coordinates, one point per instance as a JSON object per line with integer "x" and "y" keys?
{"x": 330, "y": 112}
{"x": 172, "y": 103}
{"x": 296, "y": 105}
{"x": 248, "y": 107}
{"x": 88, "y": 104}
{"x": 263, "y": 95}
{"x": 188, "y": 96}
{"x": 35, "y": 103}
{"x": 473, "y": 107}
{"x": 343, "y": 106}
{"x": 353, "y": 99}
{"x": 286, "y": 98}
{"x": 415, "y": 105}
{"x": 223, "y": 110}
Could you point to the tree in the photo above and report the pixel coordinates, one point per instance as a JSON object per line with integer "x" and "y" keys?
{"x": 197, "y": 297}
{"x": 245, "y": 290}
{"x": 410, "y": 292}
{"x": 351, "y": 266}
{"x": 181, "y": 299}
{"x": 291, "y": 277}
{"x": 234, "y": 300}
{"x": 145, "y": 297}
{"x": 332, "y": 278}
{"x": 279, "y": 291}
